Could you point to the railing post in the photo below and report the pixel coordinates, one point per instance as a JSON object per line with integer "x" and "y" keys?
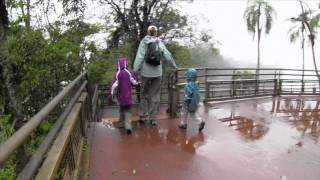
{"x": 207, "y": 87}
{"x": 206, "y": 94}
{"x": 173, "y": 95}
{"x": 233, "y": 84}
{"x": 256, "y": 87}
{"x": 275, "y": 90}
{"x": 233, "y": 88}
{"x": 280, "y": 87}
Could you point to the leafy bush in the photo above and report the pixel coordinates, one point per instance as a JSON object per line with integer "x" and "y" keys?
{"x": 7, "y": 172}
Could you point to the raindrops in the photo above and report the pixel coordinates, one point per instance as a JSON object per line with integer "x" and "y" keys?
{"x": 107, "y": 122}
{"x": 283, "y": 177}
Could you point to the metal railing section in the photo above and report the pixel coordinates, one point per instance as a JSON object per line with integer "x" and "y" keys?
{"x": 9, "y": 146}
{"x": 233, "y": 83}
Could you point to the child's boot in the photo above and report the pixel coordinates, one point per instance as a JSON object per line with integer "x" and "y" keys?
{"x": 201, "y": 126}
{"x": 182, "y": 126}
{"x": 128, "y": 124}
{"x": 142, "y": 119}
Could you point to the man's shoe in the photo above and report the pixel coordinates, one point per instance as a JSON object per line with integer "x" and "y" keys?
{"x": 182, "y": 126}
{"x": 129, "y": 131}
{"x": 201, "y": 126}
{"x": 141, "y": 121}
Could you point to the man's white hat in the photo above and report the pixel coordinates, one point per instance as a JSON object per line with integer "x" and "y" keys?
{"x": 152, "y": 27}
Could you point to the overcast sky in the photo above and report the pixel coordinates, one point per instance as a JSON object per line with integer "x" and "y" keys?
{"x": 229, "y": 28}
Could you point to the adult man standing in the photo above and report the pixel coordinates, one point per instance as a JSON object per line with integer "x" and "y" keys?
{"x": 151, "y": 54}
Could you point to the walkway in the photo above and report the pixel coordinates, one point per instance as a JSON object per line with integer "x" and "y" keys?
{"x": 261, "y": 139}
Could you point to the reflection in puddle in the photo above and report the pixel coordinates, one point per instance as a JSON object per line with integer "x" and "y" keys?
{"x": 303, "y": 114}
{"x": 249, "y": 121}
{"x": 248, "y": 128}
{"x": 108, "y": 123}
{"x": 188, "y": 143}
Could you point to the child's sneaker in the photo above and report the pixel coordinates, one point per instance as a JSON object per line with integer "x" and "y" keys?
{"x": 201, "y": 126}
{"x": 182, "y": 126}
{"x": 152, "y": 122}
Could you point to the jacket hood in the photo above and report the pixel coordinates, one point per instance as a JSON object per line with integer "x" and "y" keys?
{"x": 148, "y": 39}
{"x": 191, "y": 74}
{"x": 122, "y": 63}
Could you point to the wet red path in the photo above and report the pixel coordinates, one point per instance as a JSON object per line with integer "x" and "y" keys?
{"x": 261, "y": 139}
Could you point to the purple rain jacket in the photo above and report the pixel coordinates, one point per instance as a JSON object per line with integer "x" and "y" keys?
{"x": 122, "y": 82}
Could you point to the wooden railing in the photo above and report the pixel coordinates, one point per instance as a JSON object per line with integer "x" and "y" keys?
{"x": 218, "y": 84}
{"x": 58, "y": 156}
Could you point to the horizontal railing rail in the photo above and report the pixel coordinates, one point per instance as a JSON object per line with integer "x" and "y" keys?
{"x": 35, "y": 161}
{"x": 10, "y": 145}
{"x": 63, "y": 159}
{"x": 234, "y": 83}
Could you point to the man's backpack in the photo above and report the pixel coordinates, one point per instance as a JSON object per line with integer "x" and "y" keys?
{"x": 153, "y": 53}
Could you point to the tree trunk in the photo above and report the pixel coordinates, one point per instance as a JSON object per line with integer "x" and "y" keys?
{"x": 258, "y": 63}
{"x": 4, "y": 21}
{"x": 25, "y": 15}
{"x": 28, "y": 16}
{"x": 315, "y": 63}
{"x": 302, "y": 46}
{"x": 16, "y": 110}
{"x": 259, "y": 36}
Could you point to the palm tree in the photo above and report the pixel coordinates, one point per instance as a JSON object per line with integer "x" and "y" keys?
{"x": 310, "y": 24}
{"x": 296, "y": 32}
{"x": 258, "y": 15}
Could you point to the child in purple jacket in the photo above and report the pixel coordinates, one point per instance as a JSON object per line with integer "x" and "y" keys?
{"x": 123, "y": 81}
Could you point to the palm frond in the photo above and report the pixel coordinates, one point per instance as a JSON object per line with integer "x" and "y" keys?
{"x": 294, "y": 36}
{"x": 250, "y": 15}
{"x": 253, "y": 12}
{"x": 314, "y": 22}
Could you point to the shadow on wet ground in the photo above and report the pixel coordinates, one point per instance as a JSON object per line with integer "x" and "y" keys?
{"x": 271, "y": 138}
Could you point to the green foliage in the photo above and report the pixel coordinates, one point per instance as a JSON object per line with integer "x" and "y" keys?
{"x": 6, "y": 130}
{"x": 101, "y": 70}
{"x": 7, "y": 172}
{"x": 46, "y": 126}
{"x": 103, "y": 63}
{"x": 39, "y": 63}
{"x": 181, "y": 54}
{"x": 39, "y": 135}
{"x": 201, "y": 55}
{"x": 243, "y": 75}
